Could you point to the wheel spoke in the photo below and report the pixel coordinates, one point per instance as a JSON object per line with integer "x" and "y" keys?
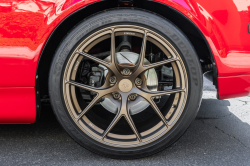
{"x": 113, "y": 55}
{"x": 123, "y": 111}
{"x": 156, "y": 109}
{"x": 112, "y": 124}
{"x": 153, "y": 65}
{"x": 161, "y": 93}
{"x": 86, "y": 87}
{"x": 143, "y": 50}
{"x": 101, "y": 91}
{"x": 132, "y": 125}
{"x": 90, "y": 105}
{"x": 104, "y": 63}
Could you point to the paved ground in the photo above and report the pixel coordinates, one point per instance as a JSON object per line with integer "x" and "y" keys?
{"x": 220, "y": 135}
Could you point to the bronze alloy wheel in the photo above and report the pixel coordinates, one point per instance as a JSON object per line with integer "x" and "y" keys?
{"x": 124, "y": 86}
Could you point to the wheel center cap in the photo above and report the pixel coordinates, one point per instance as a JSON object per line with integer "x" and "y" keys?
{"x": 125, "y": 85}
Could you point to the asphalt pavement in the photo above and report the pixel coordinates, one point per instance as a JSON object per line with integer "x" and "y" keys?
{"x": 220, "y": 135}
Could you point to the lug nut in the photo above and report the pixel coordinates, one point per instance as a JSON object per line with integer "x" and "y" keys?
{"x": 112, "y": 80}
{"x": 138, "y": 82}
{"x": 126, "y": 72}
{"x": 116, "y": 95}
{"x": 132, "y": 96}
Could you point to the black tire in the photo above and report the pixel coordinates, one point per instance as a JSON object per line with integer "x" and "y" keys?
{"x": 133, "y": 17}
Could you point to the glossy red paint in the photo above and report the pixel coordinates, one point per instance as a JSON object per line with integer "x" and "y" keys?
{"x": 18, "y": 105}
{"x": 25, "y": 26}
{"x": 227, "y": 85}
{"x": 224, "y": 24}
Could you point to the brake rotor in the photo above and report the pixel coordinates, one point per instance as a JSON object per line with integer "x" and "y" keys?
{"x": 151, "y": 78}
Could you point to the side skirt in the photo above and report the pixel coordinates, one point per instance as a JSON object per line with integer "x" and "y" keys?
{"x": 17, "y": 105}
{"x": 233, "y": 86}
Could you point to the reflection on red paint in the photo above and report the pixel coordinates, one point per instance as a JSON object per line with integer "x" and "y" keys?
{"x": 224, "y": 24}
{"x": 182, "y": 3}
{"x": 69, "y": 3}
{"x": 5, "y": 6}
{"x": 221, "y": 16}
{"x": 25, "y": 26}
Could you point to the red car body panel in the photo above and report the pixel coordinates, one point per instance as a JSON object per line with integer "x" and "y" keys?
{"x": 224, "y": 24}
{"x": 25, "y": 26}
{"x": 227, "y": 85}
{"x": 18, "y": 105}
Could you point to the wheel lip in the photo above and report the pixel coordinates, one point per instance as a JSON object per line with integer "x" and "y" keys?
{"x": 179, "y": 63}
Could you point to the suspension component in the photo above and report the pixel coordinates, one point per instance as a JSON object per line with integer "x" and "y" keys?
{"x": 96, "y": 76}
{"x": 208, "y": 67}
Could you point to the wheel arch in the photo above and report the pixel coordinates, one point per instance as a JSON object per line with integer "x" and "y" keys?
{"x": 192, "y": 32}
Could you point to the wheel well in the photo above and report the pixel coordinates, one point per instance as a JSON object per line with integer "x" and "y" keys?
{"x": 184, "y": 24}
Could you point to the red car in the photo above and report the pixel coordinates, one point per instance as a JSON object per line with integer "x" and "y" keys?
{"x": 124, "y": 77}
